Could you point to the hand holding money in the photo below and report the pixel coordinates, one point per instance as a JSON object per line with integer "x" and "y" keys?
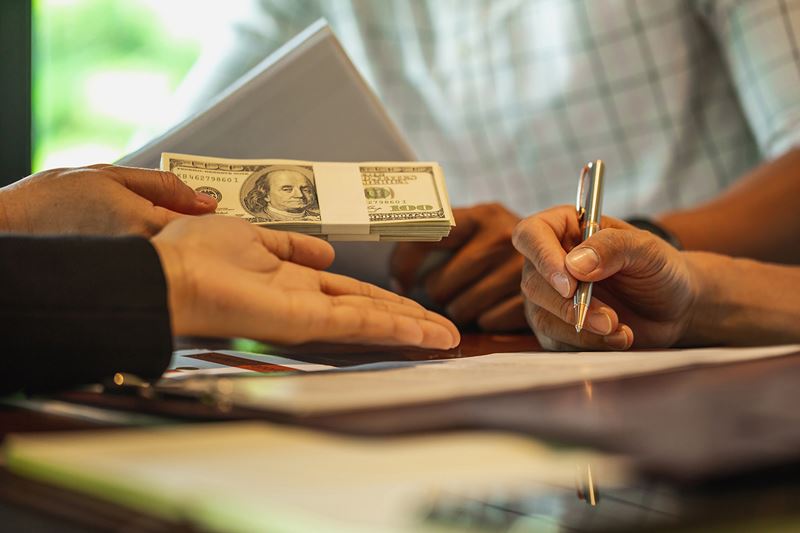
{"x": 97, "y": 200}
{"x": 339, "y": 201}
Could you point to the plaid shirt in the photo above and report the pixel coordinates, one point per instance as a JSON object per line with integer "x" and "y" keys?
{"x": 679, "y": 97}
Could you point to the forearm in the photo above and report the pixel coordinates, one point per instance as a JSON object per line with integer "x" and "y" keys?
{"x": 743, "y": 302}
{"x": 757, "y": 217}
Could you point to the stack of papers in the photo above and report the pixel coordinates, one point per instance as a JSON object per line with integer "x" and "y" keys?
{"x": 406, "y": 383}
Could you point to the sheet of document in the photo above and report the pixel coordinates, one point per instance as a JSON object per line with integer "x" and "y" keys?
{"x": 401, "y": 383}
{"x": 261, "y": 477}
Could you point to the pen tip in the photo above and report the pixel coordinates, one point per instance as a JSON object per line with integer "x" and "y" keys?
{"x": 583, "y": 310}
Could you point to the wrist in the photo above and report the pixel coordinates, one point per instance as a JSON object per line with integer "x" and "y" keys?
{"x": 657, "y": 229}
{"x": 706, "y": 317}
{"x": 177, "y": 286}
{"x": 741, "y": 301}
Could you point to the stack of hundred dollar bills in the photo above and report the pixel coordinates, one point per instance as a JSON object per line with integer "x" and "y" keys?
{"x": 339, "y": 201}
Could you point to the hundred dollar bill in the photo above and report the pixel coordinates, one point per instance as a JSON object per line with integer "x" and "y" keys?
{"x": 341, "y": 201}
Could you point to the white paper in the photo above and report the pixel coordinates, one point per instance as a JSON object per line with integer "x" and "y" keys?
{"x": 305, "y": 101}
{"x": 400, "y": 383}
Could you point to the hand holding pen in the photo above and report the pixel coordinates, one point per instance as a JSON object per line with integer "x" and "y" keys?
{"x": 591, "y": 289}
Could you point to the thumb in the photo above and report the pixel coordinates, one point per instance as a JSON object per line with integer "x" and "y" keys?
{"x": 611, "y": 250}
{"x": 165, "y": 190}
{"x": 302, "y": 249}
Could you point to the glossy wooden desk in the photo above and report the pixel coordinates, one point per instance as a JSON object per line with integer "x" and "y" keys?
{"x": 695, "y": 427}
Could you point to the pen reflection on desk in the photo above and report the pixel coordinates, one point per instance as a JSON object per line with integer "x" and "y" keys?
{"x": 588, "y": 205}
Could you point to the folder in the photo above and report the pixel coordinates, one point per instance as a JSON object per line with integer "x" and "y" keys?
{"x": 304, "y": 101}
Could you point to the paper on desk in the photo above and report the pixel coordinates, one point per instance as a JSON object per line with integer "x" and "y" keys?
{"x": 402, "y": 383}
{"x": 262, "y": 477}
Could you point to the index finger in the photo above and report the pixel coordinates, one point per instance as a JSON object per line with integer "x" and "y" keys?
{"x": 162, "y": 188}
{"x": 336, "y": 285}
{"x": 363, "y": 319}
{"x": 539, "y": 238}
{"x": 298, "y": 248}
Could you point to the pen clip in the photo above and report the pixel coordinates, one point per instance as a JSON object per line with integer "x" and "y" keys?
{"x": 580, "y": 199}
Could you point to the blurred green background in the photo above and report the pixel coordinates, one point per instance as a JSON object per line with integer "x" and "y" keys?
{"x": 104, "y": 70}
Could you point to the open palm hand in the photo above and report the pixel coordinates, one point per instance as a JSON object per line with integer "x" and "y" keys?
{"x": 229, "y": 278}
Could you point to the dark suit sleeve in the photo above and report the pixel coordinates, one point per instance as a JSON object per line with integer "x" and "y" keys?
{"x": 75, "y": 310}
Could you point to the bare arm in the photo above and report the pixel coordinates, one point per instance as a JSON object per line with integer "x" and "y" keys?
{"x": 742, "y": 301}
{"x": 757, "y": 217}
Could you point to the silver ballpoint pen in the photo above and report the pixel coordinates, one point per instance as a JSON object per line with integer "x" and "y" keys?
{"x": 588, "y": 204}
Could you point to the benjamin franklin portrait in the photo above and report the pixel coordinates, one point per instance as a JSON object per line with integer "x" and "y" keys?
{"x": 281, "y": 193}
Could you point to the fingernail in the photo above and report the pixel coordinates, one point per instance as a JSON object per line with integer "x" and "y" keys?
{"x": 600, "y": 323}
{"x": 204, "y": 199}
{"x": 583, "y": 259}
{"x": 618, "y": 340}
{"x": 456, "y": 342}
{"x": 560, "y": 283}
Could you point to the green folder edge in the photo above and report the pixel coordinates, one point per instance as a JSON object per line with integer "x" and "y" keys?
{"x": 225, "y": 516}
